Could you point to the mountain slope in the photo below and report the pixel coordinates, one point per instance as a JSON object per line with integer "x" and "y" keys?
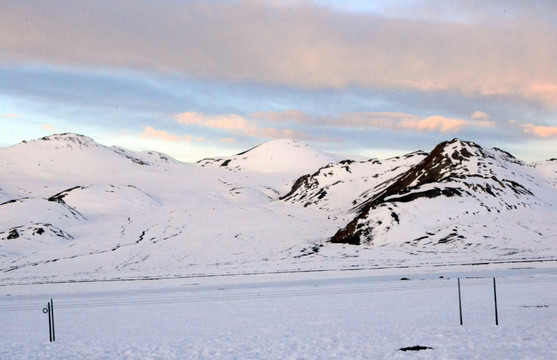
{"x": 268, "y": 169}
{"x": 74, "y": 209}
{"x": 277, "y": 156}
{"x": 334, "y": 187}
{"x": 461, "y": 197}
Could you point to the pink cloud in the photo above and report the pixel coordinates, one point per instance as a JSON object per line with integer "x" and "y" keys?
{"x": 539, "y": 130}
{"x": 152, "y": 133}
{"x": 236, "y": 124}
{"x": 396, "y": 121}
{"x": 11, "y": 115}
{"x": 402, "y": 121}
{"x": 479, "y": 115}
{"x": 298, "y": 44}
{"x": 226, "y": 122}
{"x": 48, "y": 127}
{"x": 435, "y": 123}
{"x": 546, "y": 92}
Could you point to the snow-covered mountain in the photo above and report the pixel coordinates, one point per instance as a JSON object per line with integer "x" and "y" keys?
{"x": 460, "y": 196}
{"x": 337, "y": 187}
{"x": 277, "y": 156}
{"x": 72, "y": 209}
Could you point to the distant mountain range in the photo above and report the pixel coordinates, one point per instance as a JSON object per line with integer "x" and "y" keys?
{"x": 72, "y": 209}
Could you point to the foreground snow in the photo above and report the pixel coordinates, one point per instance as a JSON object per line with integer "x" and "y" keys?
{"x": 365, "y": 317}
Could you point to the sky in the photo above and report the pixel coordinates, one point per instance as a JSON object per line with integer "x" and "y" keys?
{"x": 196, "y": 79}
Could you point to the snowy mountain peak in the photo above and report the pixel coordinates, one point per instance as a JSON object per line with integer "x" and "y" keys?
{"x": 69, "y": 140}
{"x": 458, "y": 150}
{"x": 71, "y": 157}
{"x": 276, "y": 156}
{"x": 73, "y": 209}
{"x": 458, "y": 159}
{"x": 278, "y": 144}
{"x": 493, "y": 179}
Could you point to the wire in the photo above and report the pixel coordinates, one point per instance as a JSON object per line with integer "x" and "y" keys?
{"x": 192, "y": 296}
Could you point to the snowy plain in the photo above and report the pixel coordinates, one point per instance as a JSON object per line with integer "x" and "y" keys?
{"x": 350, "y": 315}
{"x": 149, "y": 258}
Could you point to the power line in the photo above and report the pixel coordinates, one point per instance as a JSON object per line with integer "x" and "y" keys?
{"x": 261, "y": 293}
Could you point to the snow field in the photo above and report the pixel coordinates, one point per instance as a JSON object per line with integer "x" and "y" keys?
{"x": 74, "y": 210}
{"x": 353, "y": 318}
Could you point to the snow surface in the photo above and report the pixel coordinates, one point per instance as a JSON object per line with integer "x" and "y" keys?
{"x": 74, "y": 210}
{"x": 277, "y": 156}
{"x": 321, "y": 317}
{"x": 461, "y": 199}
{"x": 150, "y": 258}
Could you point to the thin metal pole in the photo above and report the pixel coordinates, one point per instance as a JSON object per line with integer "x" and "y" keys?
{"x": 459, "y": 302}
{"x": 49, "y": 322}
{"x": 52, "y": 316}
{"x": 495, "y": 298}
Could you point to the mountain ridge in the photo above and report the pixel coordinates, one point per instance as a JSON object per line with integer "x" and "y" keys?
{"x": 283, "y": 155}
{"x": 448, "y": 166}
{"x": 70, "y": 207}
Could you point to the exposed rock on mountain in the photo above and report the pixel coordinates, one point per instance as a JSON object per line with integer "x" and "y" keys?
{"x": 338, "y": 187}
{"x": 479, "y": 180}
{"x": 71, "y": 208}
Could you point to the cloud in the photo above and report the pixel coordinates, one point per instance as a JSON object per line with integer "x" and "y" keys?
{"x": 48, "y": 127}
{"x": 152, "y": 133}
{"x": 236, "y": 124}
{"x": 291, "y": 115}
{"x": 11, "y": 116}
{"x": 546, "y": 92}
{"x": 226, "y": 122}
{"x": 401, "y": 121}
{"x": 381, "y": 120}
{"x": 394, "y": 121}
{"x": 540, "y": 130}
{"x": 296, "y": 43}
{"x": 435, "y": 123}
{"x": 479, "y": 115}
